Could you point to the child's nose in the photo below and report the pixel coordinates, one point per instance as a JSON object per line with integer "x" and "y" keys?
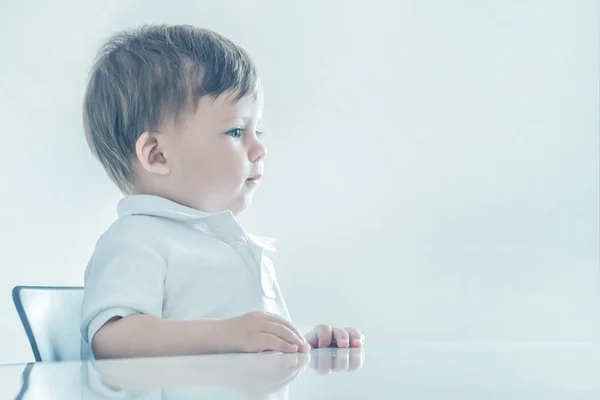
{"x": 258, "y": 152}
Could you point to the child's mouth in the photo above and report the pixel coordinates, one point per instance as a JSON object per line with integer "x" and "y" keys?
{"x": 254, "y": 181}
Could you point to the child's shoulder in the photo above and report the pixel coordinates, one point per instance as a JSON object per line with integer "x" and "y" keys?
{"x": 136, "y": 229}
{"x": 134, "y": 226}
{"x": 158, "y": 234}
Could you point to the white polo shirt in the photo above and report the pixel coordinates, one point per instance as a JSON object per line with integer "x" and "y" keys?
{"x": 167, "y": 260}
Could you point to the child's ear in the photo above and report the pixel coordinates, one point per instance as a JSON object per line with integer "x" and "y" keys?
{"x": 149, "y": 152}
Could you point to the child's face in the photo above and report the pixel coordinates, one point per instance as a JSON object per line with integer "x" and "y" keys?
{"x": 213, "y": 156}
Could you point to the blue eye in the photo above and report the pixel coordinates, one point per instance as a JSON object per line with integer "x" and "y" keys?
{"x": 235, "y": 133}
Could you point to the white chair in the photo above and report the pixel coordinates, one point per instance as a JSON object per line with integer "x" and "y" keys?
{"x": 51, "y": 316}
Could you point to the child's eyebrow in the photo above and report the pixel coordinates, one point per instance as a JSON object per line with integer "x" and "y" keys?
{"x": 245, "y": 119}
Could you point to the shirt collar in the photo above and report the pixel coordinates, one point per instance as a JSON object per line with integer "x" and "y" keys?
{"x": 156, "y": 206}
{"x": 222, "y": 223}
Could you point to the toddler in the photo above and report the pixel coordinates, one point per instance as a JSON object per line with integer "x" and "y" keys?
{"x": 173, "y": 113}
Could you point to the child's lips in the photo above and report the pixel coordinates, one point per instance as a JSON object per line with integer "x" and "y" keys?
{"x": 254, "y": 181}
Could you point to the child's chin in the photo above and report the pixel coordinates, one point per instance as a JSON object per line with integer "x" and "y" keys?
{"x": 241, "y": 204}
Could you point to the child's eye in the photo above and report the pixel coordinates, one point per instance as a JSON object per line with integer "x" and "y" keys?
{"x": 235, "y": 133}
{"x": 259, "y": 133}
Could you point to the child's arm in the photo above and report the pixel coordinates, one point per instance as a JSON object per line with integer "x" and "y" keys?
{"x": 122, "y": 311}
{"x": 148, "y": 336}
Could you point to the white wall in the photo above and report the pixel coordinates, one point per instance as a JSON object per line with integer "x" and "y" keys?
{"x": 433, "y": 165}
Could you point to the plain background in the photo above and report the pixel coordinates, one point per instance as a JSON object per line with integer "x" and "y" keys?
{"x": 432, "y": 173}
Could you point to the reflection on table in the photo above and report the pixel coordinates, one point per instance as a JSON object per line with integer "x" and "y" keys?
{"x": 410, "y": 371}
{"x": 231, "y": 376}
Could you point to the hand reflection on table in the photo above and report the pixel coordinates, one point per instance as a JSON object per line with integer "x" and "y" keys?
{"x": 326, "y": 361}
{"x": 257, "y": 376}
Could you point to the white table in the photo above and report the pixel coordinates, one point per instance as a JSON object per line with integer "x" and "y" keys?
{"x": 406, "y": 371}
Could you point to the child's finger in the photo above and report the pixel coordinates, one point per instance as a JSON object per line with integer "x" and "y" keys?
{"x": 283, "y": 332}
{"x": 324, "y": 335}
{"x": 341, "y": 337}
{"x": 357, "y": 339}
{"x": 312, "y": 339}
{"x": 277, "y": 319}
{"x": 270, "y": 342}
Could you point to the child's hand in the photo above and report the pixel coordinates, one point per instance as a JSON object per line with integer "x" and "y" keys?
{"x": 326, "y": 336}
{"x": 260, "y": 331}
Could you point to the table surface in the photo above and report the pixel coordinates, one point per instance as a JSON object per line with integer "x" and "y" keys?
{"x": 408, "y": 371}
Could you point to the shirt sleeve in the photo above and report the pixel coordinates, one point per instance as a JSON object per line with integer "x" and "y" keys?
{"x": 124, "y": 277}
